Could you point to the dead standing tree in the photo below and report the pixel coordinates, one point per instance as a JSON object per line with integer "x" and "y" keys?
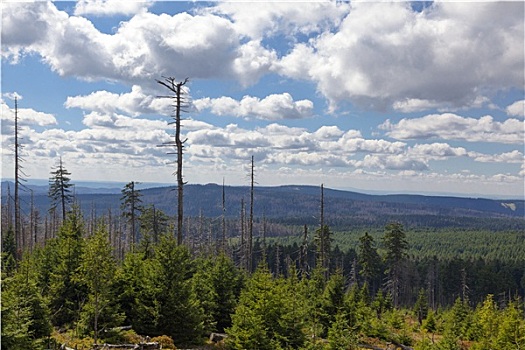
{"x": 179, "y": 103}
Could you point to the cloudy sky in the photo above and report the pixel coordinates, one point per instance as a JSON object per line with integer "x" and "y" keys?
{"x": 398, "y": 97}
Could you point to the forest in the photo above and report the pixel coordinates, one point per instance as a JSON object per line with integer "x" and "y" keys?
{"x": 75, "y": 281}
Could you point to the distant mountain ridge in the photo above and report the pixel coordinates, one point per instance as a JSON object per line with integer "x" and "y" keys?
{"x": 300, "y": 205}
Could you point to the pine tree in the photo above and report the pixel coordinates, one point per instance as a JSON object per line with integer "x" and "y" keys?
{"x": 97, "y": 270}
{"x": 396, "y": 246}
{"x": 369, "y": 260}
{"x": 131, "y": 208}
{"x": 60, "y": 189}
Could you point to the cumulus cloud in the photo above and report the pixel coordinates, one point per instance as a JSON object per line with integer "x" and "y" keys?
{"x": 514, "y": 156}
{"x": 449, "y": 126}
{"x": 26, "y": 117}
{"x": 386, "y": 55}
{"x": 272, "y": 107}
{"x": 517, "y": 109}
{"x": 143, "y": 48}
{"x": 110, "y": 7}
{"x": 437, "y": 151}
{"x": 259, "y": 19}
{"x": 134, "y": 103}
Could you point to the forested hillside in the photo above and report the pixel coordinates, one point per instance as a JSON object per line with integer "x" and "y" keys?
{"x": 90, "y": 283}
{"x": 299, "y": 205}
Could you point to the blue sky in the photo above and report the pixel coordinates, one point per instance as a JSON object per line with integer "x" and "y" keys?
{"x": 377, "y": 96}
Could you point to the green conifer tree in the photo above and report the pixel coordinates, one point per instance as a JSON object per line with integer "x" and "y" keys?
{"x": 97, "y": 271}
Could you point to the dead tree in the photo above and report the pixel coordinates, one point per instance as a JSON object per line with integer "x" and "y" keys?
{"x": 180, "y": 102}
{"x": 250, "y": 224}
{"x": 19, "y": 236}
{"x": 223, "y": 240}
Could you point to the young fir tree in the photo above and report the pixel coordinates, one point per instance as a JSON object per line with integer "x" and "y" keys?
{"x": 511, "y": 333}
{"x": 138, "y": 292}
{"x": 264, "y": 317}
{"x": 66, "y": 294}
{"x": 60, "y": 189}
{"x": 97, "y": 271}
{"x": 332, "y": 300}
{"x": 227, "y": 282}
{"x": 25, "y": 316}
{"x": 421, "y": 306}
{"x": 179, "y": 315}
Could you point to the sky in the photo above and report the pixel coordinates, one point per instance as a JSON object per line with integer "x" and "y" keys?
{"x": 396, "y": 97}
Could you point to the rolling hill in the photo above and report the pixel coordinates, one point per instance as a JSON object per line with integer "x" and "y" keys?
{"x": 300, "y": 205}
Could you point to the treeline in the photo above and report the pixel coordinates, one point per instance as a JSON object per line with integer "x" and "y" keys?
{"x": 77, "y": 290}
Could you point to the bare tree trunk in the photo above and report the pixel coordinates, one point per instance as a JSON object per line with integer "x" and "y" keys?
{"x": 176, "y": 88}
{"x": 243, "y": 239}
{"x": 250, "y": 225}
{"x": 223, "y": 241}
{"x": 18, "y": 238}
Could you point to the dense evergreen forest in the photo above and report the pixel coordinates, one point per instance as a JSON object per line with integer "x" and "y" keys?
{"x": 127, "y": 280}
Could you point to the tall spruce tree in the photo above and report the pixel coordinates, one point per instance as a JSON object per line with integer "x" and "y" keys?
{"x": 396, "y": 246}
{"x": 60, "y": 189}
{"x": 369, "y": 260}
{"x": 131, "y": 208}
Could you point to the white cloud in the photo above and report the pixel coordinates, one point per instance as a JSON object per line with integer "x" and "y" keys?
{"x": 26, "y": 117}
{"x": 377, "y": 55}
{"x": 110, "y": 7}
{"x": 385, "y": 54}
{"x": 437, "y": 151}
{"x": 272, "y": 107}
{"x": 134, "y": 103}
{"x": 142, "y": 49}
{"x": 392, "y": 162}
{"x": 514, "y": 156}
{"x": 448, "y": 126}
{"x": 517, "y": 109}
{"x": 259, "y": 19}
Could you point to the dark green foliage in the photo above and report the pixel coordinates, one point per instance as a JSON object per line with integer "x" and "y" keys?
{"x": 369, "y": 260}
{"x": 138, "y": 291}
{"x": 67, "y": 294}
{"x": 179, "y": 314}
{"x": 25, "y": 316}
{"x": 332, "y": 300}
{"x": 396, "y": 246}
{"x": 97, "y": 271}
{"x": 9, "y": 252}
{"x": 266, "y": 317}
